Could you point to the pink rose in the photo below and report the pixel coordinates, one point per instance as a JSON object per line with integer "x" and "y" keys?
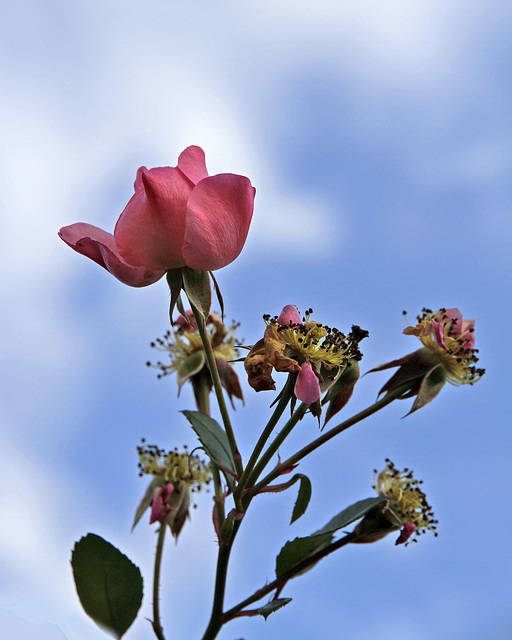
{"x": 178, "y": 217}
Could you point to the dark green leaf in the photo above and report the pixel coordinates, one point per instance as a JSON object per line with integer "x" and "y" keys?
{"x": 350, "y": 514}
{"x": 298, "y": 550}
{"x": 108, "y": 584}
{"x": 197, "y": 287}
{"x": 303, "y": 497}
{"x": 272, "y": 606}
{"x": 214, "y": 440}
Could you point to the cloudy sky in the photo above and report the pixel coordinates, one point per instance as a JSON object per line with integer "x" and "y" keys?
{"x": 379, "y": 137}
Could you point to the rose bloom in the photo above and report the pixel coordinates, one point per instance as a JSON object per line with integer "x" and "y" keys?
{"x": 178, "y": 217}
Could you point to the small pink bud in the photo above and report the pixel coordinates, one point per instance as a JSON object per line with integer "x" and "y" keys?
{"x": 307, "y": 386}
{"x": 159, "y": 507}
{"x": 289, "y": 315}
{"x": 187, "y": 323}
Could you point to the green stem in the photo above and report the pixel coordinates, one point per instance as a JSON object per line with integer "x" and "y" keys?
{"x": 274, "y": 446}
{"x": 280, "y": 582}
{"x": 286, "y": 394}
{"x": 201, "y": 383}
{"x": 217, "y": 386}
{"x": 217, "y": 617}
{"x": 157, "y": 627}
{"x": 328, "y": 435}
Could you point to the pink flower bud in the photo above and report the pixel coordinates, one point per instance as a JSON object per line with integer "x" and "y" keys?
{"x": 307, "y": 386}
{"x": 159, "y": 507}
{"x": 187, "y": 323}
{"x": 289, "y": 315}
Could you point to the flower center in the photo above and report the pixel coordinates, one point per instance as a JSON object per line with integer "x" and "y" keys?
{"x": 319, "y": 343}
{"x": 407, "y": 502}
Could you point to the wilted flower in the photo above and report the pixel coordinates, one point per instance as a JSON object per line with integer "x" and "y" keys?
{"x": 447, "y": 355}
{"x": 175, "y": 476}
{"x": 187, "y": 358}
{"x": 406, "y": 508}
{"x": 178, "y": 217}
{"x": 452, "y": 339}
{"x": 310, "y": 350}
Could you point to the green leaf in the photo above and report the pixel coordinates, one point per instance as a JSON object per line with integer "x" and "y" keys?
{"x": 430, "y": 386}
{"x": 272, "y": 606}
{"x": 175, "y": 282}
{"x": 190, "y": 366}
{"x": 214, "y": 440}
{"x": 303, "y": 497}
{"x": 298, "y": 550}
{"x": 197, "y": 288}
{"x": 341, "y": 391}
{"x": 350, "y": 514}
{"x": 108, "y": 584}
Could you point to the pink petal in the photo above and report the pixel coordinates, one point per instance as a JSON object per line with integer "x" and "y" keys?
{"x": 98, "y": 245}
{"x": 408, "y": 529}
{"x": 307, "y": 386}
{"x": 150, "y": 231}
{"x": 438, "y": 328}
{"x": 218, "y": 218}
{"x": 188, "y": 324}
{"x": 467, "y": 333}
{"x": 192, "y": 163}
{"x": 159, "y": 508}
{"x": 289, "y": 315}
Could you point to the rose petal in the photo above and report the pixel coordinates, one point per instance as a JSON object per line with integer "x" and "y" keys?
{"x": 150, "y": 231}
{"x": 219, "y": 214}
{"x": 98, "y": 245}
{"x": 192, "y": 163}
{"x": 307, "y": 386}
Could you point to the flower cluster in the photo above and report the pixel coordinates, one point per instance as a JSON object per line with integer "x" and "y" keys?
{"x": 187, "y": 357}
{"x": 175, "y": 476}
{"x": 313, "y": 352}
{"x": 178, "y": 217}
{"x": 406, "y": 508}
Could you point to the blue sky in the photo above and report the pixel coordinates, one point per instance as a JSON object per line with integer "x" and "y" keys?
{"x": 379, "y": 138}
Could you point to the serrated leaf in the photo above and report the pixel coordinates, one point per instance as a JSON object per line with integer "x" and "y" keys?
{"x": 303, "y": 497}
{"x": 147, "y": 499}
{"x": 108, "y": 584}
{"x": 214, "y": 440}
{"x": 298, "y": 550}
{"x": 272, "y": 606}
{"x": 350, "y": 515}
